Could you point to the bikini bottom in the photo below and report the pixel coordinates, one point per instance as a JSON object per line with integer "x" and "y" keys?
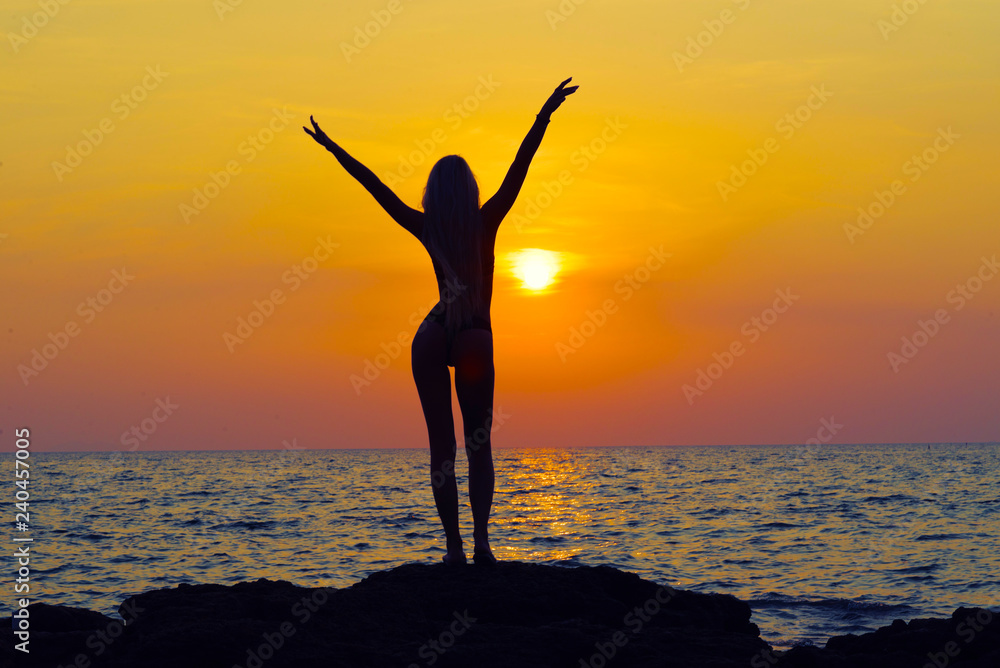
{"x": 437, "y": 314}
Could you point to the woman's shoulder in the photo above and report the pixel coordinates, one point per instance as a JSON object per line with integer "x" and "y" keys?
{"x": 490, "y": 216}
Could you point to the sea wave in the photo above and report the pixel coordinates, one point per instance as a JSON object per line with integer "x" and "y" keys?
{"x": 830, "y": 546}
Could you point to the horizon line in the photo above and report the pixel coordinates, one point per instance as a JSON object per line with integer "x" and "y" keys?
{"x": 530, "y": 447}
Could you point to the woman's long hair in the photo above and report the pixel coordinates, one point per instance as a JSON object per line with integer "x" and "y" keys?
{"x": 453, "y": 235}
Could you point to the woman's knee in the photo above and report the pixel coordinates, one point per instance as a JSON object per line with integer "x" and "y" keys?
{"x": 443, "y": 444}
{"x": 478, "y": 441}
{"x": 482, "y": 433}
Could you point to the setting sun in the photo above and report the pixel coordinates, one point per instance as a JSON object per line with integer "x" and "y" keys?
{"x": 535, "y": 267}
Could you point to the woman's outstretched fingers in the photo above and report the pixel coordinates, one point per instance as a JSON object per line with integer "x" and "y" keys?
{"x": 562, "y": 87}
{"x": 558, "y": 96}
{"x": 317, "y": 133}
{"x": 311, "y": 133}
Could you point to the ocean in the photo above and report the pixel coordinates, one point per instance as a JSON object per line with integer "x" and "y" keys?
{"x": 820, "y": 541}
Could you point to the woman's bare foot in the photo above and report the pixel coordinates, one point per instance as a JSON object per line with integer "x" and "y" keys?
{"x": 455, "y": 555}
{"x": 484, "y": 557}
{"x": 450, "y": 560}
{"x": 482, "y": 554}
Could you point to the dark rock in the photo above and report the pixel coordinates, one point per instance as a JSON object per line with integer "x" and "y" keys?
{"x": 969, "y": 639}
{"x": 516, "y": 614}
{"x": 64, "y": 619}
{"x": 58, "y": 634}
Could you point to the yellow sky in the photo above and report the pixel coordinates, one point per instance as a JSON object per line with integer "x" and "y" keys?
{"x": 175, "y": 101}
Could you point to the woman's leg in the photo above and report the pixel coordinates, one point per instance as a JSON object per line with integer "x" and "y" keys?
{"x": 430, "y": 372}
{"x": 474, "y": 380}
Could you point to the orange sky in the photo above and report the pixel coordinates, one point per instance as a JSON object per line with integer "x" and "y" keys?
{"x": 120, "y": 119}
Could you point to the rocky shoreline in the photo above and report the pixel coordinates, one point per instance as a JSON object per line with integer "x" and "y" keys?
{"x": 515, "y": 615}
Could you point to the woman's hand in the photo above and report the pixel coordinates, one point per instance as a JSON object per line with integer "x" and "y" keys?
{"x": 320, "y": 136}
{"x": 557, "y": 98}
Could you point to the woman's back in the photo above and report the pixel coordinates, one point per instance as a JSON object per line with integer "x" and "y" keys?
{"x": 446, "y": 291}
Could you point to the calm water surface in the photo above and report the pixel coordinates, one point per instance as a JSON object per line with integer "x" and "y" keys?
{"x": 835, "y": 540}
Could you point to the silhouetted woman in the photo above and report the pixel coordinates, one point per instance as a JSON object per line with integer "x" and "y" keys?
{"x": 459, "y": 235}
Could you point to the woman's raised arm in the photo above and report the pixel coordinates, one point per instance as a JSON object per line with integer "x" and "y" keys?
{"x": 409, "y": 218}
{"x": 497, "y": 207}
